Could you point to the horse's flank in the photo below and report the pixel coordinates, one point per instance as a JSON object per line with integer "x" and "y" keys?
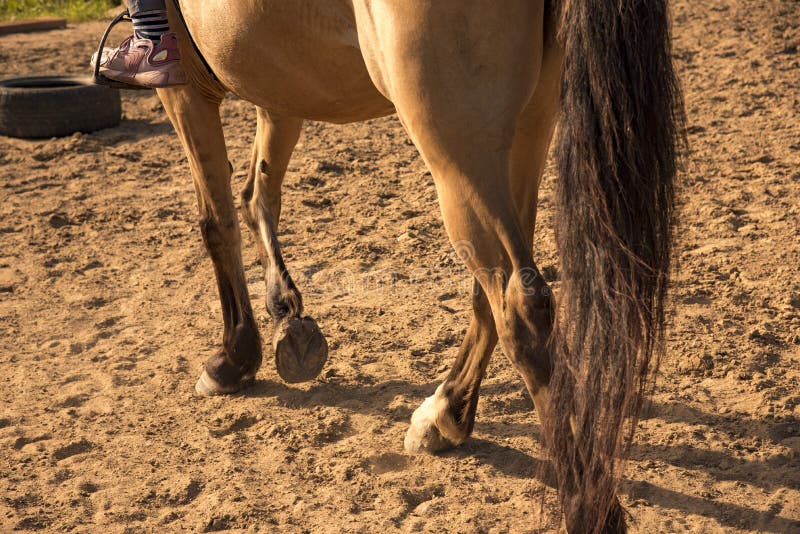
{"x": 299, "y": 59}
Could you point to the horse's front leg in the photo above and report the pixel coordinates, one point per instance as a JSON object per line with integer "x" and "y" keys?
{"x": 300, "y": 347}
{"x": 196, "y": 119}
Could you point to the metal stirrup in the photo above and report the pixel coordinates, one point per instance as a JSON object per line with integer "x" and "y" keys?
{"x": 100, "y": 79}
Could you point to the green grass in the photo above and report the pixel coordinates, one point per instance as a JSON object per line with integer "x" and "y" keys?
{"x": 73, "y": 10}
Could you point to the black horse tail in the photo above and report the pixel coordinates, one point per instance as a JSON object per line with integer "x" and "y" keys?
{"x": 620, "y": 135}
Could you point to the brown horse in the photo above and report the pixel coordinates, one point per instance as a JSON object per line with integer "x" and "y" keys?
{"x": 479, "y": 85}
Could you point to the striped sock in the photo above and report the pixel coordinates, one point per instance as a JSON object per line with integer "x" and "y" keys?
{"x": 150, "y": 25}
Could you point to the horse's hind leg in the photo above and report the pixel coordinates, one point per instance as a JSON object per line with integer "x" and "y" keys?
{"x": 461, "y": 104}
{"x": 300, "y": 347}
{"x": 446, "y": 419}
{"x": 502, "y": 262}
{"x": 196, "y": 119}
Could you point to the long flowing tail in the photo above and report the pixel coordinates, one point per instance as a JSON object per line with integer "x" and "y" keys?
{"x": 619, "y": 138}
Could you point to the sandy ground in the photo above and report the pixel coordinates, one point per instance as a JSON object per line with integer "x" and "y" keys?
{"x": 108, "y": 310}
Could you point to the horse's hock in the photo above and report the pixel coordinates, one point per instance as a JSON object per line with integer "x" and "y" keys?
{"x": 55, "y": 106}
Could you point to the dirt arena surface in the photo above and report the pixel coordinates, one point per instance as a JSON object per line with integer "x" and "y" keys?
{"x": 108, "y": 309}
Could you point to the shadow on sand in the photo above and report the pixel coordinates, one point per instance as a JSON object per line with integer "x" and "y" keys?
{"x": 374, "y": 399}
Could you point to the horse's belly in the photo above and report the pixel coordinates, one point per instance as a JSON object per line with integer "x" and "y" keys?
{"x": 319, "y": 97}
{"x": 299, "y": 58}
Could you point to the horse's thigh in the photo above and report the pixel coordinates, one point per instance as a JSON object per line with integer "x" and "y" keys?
{"x": 457, "y": 69}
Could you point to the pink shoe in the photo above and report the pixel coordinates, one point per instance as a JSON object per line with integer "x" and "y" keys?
{"x": 138, "y": 62}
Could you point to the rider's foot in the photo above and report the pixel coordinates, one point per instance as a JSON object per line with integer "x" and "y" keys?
{"x": 139, "y": 62}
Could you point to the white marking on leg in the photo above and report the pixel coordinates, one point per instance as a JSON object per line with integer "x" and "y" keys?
{"x": 432, "y": 426}
{"x": 206, "y": 386}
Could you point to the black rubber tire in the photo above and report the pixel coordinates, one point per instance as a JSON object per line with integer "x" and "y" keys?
{"x": 55, "y": 106}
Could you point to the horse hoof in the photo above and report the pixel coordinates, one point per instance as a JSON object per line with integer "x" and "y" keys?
{"x": 424, "y": 436}
{"x": 425, "y": 439}
{"x": 300, "y": 350}
{"x": 208, "y": 387}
